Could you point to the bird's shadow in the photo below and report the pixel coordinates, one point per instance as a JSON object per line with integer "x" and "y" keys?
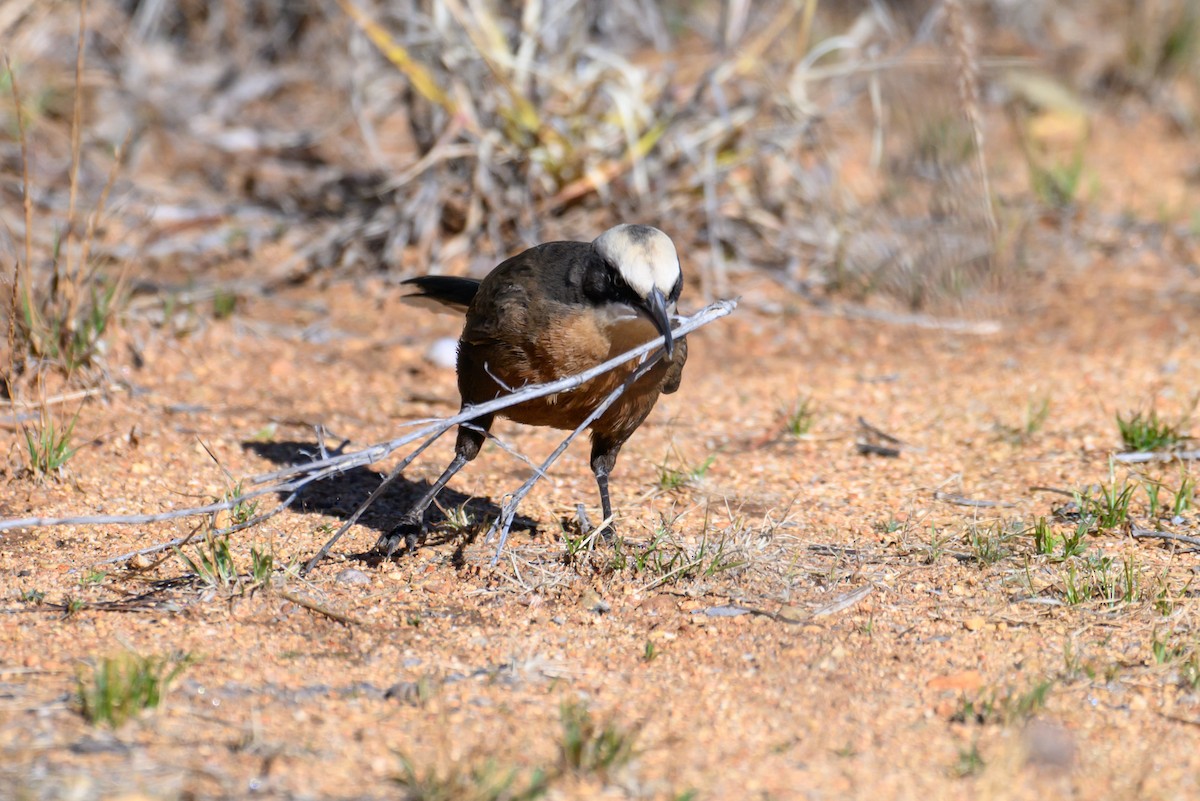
{"x": 340, "y": 494}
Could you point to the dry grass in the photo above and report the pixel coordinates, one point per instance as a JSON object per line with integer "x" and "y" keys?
{"x": 833, "y": 149}
{"x": 473, "y": 129}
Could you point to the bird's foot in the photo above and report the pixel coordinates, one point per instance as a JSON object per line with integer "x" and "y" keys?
{"x": 409, "y": 532}
{"x": 607, "y": 530}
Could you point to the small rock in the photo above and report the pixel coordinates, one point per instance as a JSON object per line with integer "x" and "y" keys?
{"x": 659, "y": 604}
{"x": 352, "y": 576}
{"x": 591, "y": 601}
{"x": 974, "y": 623}
{"x": 139, "y": 561}
{"x": 793, "y": 614}
{"x": 1048, "y": 745}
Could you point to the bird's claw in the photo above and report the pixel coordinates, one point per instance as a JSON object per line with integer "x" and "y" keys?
{"x": 409, "y": 532}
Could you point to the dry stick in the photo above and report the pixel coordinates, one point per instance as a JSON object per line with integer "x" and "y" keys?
{"x": 309, "y": 472}
{"x": 350, "y": 521}
{"x": 1137, "y": 457}
{"x": 67, "y": 397}
{"x": 1147, "y": 534}
{"x": 220, "y": 532}
{"x": 843, "y": 603}
{"x": 158, "y": 517}
{"x": 504, "y": 522}
{"x": 712, "y": 312}
{"x": 376, "y": 452}
{"x": 319, "y": 608}
{"x": 960, "y": 500}
{"x": 94, "y": 220}
{"x": 76, "y": 158}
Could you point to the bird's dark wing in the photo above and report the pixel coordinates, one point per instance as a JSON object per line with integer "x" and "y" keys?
{"x": 443, "y": 292}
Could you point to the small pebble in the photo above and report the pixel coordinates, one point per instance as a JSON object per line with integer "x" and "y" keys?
{"x": 591, "y": 601}
{"x": 1049, "y": 745}
{"x": 352, "y": 576}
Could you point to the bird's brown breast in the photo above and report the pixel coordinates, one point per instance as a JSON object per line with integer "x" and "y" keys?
{"x": 533, "y": 343}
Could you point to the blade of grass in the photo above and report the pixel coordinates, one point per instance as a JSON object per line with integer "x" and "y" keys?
{"x": 422, "y": 80}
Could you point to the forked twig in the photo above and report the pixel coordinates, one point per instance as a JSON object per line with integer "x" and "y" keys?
{"x": 509, "y": 511}
{"x": 295, "y": 478}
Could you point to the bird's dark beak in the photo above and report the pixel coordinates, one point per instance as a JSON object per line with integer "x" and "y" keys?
{"x": 656, "y": 305}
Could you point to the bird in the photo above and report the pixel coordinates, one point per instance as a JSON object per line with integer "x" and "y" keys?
{"x": 549, "y": 312}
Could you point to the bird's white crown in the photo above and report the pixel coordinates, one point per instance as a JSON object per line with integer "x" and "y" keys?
{"x": 644, "y": 256}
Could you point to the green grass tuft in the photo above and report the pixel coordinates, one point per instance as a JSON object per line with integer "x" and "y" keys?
{"x": 672, "y": 478}
{"x": 49, "y": 447}
{"x": 120, "y": 687}
{"x": 590, "y": 747}
{"x": 801, "y": 418}
{"x": 486, "y": 781}
{"x": 1149, "y": 432}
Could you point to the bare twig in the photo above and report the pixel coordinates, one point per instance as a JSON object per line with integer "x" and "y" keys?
{"x": 66, "y": 397}
{"x": 319, "y": 608}
{"x": 1055, "y": 490}
{"x": 295, "y": 478}
{"x": 1140, "y": 457}
{"x": 959, "y": 500}
{"x": 376, "y": 452}
{"x": 350, "y": 521}
{"x": 1147, "y": 534}
{"x": 504, "y": 522}
{"x": 845, "y": 602}
{"x": 27, "y": 201}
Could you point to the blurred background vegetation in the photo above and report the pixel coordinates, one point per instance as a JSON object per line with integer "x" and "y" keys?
{"x": 857, "y": 152}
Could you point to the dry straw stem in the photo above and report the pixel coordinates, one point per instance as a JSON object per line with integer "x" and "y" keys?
{"x": 76, "y": 148}
{"x": 963, "y": 38}
{"x": 420, "y": 77}
{"x": 295, "y": 478}
{"x": 71, "y": 268}
{"x": 28, "y": 239}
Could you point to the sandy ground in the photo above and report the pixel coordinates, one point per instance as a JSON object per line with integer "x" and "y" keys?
{"x": 797, "y": 619}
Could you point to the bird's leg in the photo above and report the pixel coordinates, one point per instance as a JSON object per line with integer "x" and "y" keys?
{"x": 604, "y": 459}
{"x": 411, "y": 528}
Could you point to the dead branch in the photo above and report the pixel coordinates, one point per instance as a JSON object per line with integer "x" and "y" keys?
{"x": 1147, "y": 534}
{"x": 307, "y": 472}
{"x": 509, "y": 511}
{"x": 295, "y": 478}
{"x": 319, "y": 608}
{"x": 435, "y": 430}
{"x": 1139, "y": 457}
{"x": 959, "y": 500}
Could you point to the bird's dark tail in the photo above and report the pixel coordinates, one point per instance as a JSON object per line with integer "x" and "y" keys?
{"x": 443, "y": 292}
